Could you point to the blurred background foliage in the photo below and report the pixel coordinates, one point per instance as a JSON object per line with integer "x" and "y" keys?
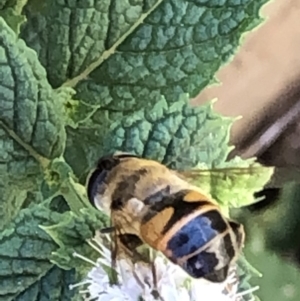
{"x": 262, "y": 84}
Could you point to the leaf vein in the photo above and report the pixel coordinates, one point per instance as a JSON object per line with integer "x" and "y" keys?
{"x": 106, "y": 54}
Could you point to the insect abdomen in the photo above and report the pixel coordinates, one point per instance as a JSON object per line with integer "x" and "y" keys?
{"x": 203, "y": 247}
{"x": 197, "y": 233}
{"x": 163, "y": 215}
{"x": 191, "y": 232}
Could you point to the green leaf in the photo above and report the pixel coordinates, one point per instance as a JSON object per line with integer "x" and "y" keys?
{"x": 27, "y": 109}
{"x": 31, "y": 128}
{"x": 16, "y": 4}
{"x": 13, "y": 19}
{"x": 24, "y": 251}
{"x": 182, "y": 44}
{"x": 177, "y": 135}
{"x": 51, "y": 287}
{"x": 232, "y": 183}
{"x": 71, "y": 235}
{"x": 60, "y": 181}
{"x": 124, "y": 55}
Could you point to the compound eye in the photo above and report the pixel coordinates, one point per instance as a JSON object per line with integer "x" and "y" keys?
{"x": 97, "y": 177}
{"x": 107, "y": 163}
{"x": 112, "y": 160}
{"x": 94, "y": 182}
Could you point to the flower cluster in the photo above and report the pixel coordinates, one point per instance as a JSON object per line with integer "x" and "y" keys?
{"x": 135, "y": 282}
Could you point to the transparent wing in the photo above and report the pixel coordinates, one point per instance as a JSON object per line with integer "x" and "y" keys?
{"x": 222, "y": 172}
{"x": 232, "y": 184}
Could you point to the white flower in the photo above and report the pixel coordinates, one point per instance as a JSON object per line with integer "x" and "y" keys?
{"x": 136, "y": 282}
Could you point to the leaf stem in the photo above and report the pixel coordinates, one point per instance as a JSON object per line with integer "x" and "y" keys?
{"x": 72, "y": 195}
{"x": 42, "y": 160}
{"x": 106, "y": 54}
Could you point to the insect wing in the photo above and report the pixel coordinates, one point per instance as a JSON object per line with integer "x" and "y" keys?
{"x": 222, "y": 173}
{"x": 234, "y": 186}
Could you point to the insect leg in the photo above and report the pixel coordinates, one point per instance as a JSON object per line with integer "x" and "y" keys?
{"x": 114, "y": 251}
{"x": 238, "y": 230}
{"x": 107, "y": 230}
{"x": 154, "y": 292}
{"x": 131, "y": 243}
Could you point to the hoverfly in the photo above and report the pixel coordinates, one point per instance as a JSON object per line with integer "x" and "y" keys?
{"x": 154, "y": 205}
